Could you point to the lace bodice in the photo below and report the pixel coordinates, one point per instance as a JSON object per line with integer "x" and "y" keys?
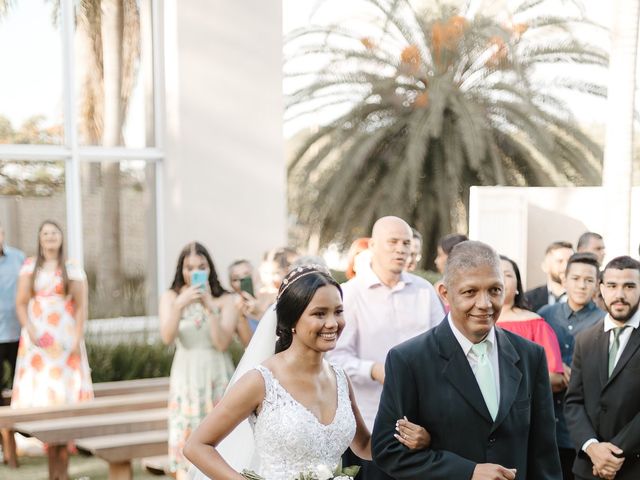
{"x": 290, "y": 440}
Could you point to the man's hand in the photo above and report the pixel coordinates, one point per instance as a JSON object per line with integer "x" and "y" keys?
{"x": 558, "y": 382}
{"x": 377, "y": 372}
{"x": 598, "y": 474}
{"x": 491, "y": 471}
{"x": 603, "y": 457}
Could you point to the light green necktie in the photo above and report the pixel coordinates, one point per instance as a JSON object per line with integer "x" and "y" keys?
{"x": 485, "y": 378}
{"x": 615, "y": 346}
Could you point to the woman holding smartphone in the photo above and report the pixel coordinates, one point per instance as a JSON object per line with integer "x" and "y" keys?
{"x": 200, "y": 317}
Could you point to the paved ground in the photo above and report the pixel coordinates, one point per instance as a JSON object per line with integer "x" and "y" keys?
{"x": 80, "y": 468}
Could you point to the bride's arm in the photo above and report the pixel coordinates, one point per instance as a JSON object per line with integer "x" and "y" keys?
{"x": 361, "y": 444}
{"x": 237, "y": 404}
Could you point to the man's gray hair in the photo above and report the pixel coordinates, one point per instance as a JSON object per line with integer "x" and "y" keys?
{"x": 467, "y": 255}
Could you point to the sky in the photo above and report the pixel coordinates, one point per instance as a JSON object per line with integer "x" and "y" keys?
{"x": 31, "y": 57}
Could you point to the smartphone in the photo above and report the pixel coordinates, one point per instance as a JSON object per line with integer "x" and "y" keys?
{"x": 199, "y": 278}
{"x": 246, "y": 285}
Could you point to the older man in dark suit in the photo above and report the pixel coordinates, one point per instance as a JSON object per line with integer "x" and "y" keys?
{"x": 482, "y": 393}
{"x": 603, "y": 399}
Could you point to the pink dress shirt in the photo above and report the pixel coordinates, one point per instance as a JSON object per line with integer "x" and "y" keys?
{"x": 377, "y": 319}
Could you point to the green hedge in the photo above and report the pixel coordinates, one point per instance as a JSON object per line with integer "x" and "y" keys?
{"x": 128, "y": 361}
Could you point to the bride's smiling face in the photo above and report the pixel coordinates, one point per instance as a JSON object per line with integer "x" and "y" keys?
{"x": 322, "y": 321}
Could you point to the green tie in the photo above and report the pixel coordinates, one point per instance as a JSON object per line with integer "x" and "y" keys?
{"x": 615, "y": 346}
{"x": 485, "y": 378}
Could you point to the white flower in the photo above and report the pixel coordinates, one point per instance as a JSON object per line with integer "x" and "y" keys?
{"x": 323, "y": 472}
{"x": 342, "y": 477}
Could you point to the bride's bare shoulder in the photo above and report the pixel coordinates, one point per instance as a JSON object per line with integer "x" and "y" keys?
{"x": 251, "y": 382}
{"x": 275, "y": 364}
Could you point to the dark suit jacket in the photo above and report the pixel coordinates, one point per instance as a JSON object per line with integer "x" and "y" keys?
{"x": 607, "y": 409}
{"x": 428, "y": 379}
{"x": 537, "y": 298}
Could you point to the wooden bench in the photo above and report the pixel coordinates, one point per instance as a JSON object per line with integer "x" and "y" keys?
{"x": 123, "y": 387}
{"x": 112, "y": 404}
{"x": 119, "y": 450}
{"x": 106, "y": 389}
{"x": 158, "y": 465}
{"x": 59, "y": 432}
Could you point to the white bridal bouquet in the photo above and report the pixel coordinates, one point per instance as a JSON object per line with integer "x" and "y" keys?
{"x": 321, "y": 472}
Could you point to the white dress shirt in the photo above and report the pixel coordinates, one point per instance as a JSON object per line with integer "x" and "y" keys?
{"x": 377, "y": 319}
{"x": 609, "y": 325}
{"x": 623, "y": 339}
{"x": 492, "y": 351}
{"x": 551, "y": 298}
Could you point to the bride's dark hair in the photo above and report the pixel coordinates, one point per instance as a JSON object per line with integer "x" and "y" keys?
{"x": 296, "y": 292}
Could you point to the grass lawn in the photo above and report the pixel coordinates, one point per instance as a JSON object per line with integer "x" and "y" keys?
{"x": 80, "y": 468}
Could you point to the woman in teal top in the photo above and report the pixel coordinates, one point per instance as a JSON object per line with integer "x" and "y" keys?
{"x": 200, "y": 317}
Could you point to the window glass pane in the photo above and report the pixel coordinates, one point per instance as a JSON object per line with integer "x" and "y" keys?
{"x": 31, "y": 192}
{"x": 119, "y": 223}
{"x": 31, "y": 103}
{"x": 115, "y": 71}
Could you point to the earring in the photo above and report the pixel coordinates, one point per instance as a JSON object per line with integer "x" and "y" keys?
{"x": 293, "y": 330}
{"x": 517, "y": 292}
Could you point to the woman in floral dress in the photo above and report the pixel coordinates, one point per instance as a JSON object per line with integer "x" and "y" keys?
{"x": 51, "y": 303}
{"x": 201, "y": 320}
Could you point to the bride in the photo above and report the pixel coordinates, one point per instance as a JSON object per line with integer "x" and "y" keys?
{"x": 301, "y": 408}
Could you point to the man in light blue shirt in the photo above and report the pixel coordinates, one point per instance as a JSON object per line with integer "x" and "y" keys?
{"x": 11, "y": 260}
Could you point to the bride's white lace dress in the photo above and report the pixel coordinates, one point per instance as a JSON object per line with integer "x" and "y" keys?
{"x": 290, "y": 440}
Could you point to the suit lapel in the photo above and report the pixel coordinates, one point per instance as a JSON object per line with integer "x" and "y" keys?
{"x": 602, "y": 346}
{"x": 457, "y": 370}
{"x": 627, "y": 353}
{"x": 510, "y": 375}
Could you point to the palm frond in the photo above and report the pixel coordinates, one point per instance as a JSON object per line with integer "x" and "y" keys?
{"x": 434, "y": 104}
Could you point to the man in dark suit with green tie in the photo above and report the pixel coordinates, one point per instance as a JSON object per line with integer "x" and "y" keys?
{"x": 603, "y": 399}
{"x": 482, "y": 392}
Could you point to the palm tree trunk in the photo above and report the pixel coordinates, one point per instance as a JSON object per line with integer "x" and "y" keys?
{"x": 109, "y": 272}
{"x": 618, "y": 167}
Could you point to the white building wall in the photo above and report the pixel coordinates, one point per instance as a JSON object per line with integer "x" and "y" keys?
{"x": 224, "y": 178}
{"x": 521, "y": 221}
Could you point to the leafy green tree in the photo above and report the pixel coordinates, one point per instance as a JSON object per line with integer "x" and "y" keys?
{"x": 433, "y": 103}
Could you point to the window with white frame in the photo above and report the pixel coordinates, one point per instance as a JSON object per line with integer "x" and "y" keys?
{"x": 81, "y": 140}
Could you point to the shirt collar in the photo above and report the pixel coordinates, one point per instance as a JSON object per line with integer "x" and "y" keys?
{"x": 370, "y": 279}
{"x": 568, "y": 311}
{"x": 465, "y": 343}
{"x": 633, "y": 322}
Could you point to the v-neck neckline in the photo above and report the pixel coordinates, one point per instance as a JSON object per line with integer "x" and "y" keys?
{"x": 304, "y": 407}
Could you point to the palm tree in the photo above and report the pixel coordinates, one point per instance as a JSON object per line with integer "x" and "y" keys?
{"x": 432, "y": 104}
{"x": 111, "y": 30}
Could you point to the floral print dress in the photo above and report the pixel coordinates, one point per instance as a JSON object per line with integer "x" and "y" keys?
{"x": 49, "y": 373}
{"x": 199, "y": 377}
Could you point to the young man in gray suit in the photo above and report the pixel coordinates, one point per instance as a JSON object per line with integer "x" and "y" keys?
{"x": 482, "y": 393}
